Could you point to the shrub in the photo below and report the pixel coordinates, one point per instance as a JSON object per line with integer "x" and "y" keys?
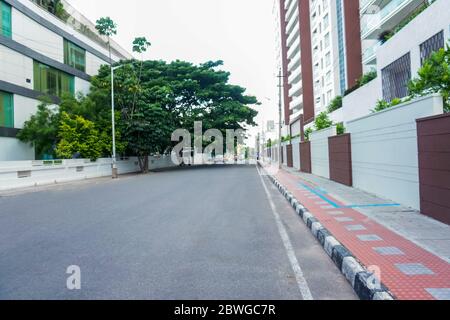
{"x": 340, "y": 128}
{"x": 335, "y": 104}
{"x": 322, "y": 121}
{"x": 308, "y": 133}
{"x": 434, "y": 77}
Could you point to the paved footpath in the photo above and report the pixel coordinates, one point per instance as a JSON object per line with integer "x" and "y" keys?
{"x": 406, "y": 269}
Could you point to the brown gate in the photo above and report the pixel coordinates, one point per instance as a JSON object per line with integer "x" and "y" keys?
{"x": 340, "y": 151}
{"x": 290, "y": 158}
{"x": 434, "y": 166}
{"x": 305, "y": 157}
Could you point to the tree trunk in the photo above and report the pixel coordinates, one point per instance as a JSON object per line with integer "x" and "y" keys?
{"x": 143, "y": 164}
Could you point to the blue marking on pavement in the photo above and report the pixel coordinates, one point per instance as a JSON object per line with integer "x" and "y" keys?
{"x": 373, "y": 205}
{"x": 321, "y": 194}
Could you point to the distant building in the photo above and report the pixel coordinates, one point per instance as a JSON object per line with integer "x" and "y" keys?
{"x": 46, "y": 48}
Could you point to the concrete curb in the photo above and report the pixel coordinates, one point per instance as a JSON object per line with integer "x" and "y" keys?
{"x": 362, "y": 280}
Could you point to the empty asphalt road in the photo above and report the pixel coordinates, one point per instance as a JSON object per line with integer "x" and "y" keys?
{"x": 205, "y": 233}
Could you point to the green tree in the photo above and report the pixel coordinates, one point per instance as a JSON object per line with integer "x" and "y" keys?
{"x": 107, "y": 27}
{"x": 434, "y": 77}
{"x": 41, "y": 130}
{"x": 78, "y": 138}
{"x": 171, "y": 96}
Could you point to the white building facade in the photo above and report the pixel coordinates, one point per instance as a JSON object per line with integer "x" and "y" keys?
{"x": 43, "y": 52}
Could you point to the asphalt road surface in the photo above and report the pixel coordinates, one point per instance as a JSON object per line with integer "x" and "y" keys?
{"x": 205, "y": 233}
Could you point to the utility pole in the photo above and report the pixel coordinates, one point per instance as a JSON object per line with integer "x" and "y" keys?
{"x": 280, "y": 126}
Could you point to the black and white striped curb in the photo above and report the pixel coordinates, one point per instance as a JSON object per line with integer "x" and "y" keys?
{"x": 364, "y": 282}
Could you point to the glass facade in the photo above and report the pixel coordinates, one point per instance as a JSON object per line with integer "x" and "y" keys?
{"x": 6, "y": 110}
{"x": 52, "y": 81}
{"x": 5, "y": 19}
{"x": 341, "y": 43}
{"x": 74, "y": 56}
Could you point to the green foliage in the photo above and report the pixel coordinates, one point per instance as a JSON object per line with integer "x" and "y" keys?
{"x": 335, "y": 104}
{"x": 308, "y": 133}
{"x": 383, "y": 105}
{"x": 434, "y": 77}
{"x": 367, "y": 77}
{"x": 79, "y": 138}
{"x": 362, "y": 81}
{"x": 169, "y": 96}
{"x": 60, "y": 11}
{"x": 322, "y": 121}
{"x": 41, "y": 130}
{"x": 106, "y": 26}
{"x": 140, "y": 45}
{"x": 340, "y": 128}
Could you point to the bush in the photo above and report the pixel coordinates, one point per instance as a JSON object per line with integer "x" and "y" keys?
{"x": 434, "y": 77}
{"x": 383, "y": 105}
{"x": 322, "y": 121}
{"x": 308, "y": 133}
{"x": 335, "y": 104}
{"x": 340, "y": 128}
{"x": 365, "y": 79}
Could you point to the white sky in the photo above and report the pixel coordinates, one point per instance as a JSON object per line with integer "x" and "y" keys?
{"x": 239, "y": 32}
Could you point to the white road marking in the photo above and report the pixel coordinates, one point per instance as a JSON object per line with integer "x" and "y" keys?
{"x": 301, "y": 281}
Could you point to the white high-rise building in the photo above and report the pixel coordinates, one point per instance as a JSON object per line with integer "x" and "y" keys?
{"x": 46, "y": 48}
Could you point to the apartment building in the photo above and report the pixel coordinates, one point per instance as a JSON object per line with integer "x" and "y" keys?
{"x": 46, "y": 48}
{"x": 380, "y": 19}
{"x": 320, "y": 47}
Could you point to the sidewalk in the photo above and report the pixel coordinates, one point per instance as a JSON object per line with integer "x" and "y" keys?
{"x": 412, "y": 251}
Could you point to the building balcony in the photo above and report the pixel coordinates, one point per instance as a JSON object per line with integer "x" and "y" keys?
{"x": 294, "y": 48}
{"x": 295, "y": 33}
{"x": 295, "y": 61}
{"x": 367, "y": 4}
{"x": 296, "y": 89}
{"x": 296, "y": 103}
{"x": 373, "y": 25}
{"x": 291, "y": 9}
{"x": 295, "y": 76}
{"x": 369, "y": 56}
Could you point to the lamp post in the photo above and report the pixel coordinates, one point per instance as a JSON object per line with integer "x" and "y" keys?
{"x": 280, "y": 126}
{"x": 113, "y": 121}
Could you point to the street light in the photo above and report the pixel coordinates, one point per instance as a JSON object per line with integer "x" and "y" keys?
{"x": 113, "y": 121}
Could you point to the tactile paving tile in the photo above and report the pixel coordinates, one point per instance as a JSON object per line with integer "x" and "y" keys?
{"x": 356, "y": 227}
{"x": 404, "y": 287}
{"x": 369, "y": 237}
{"x": 389, "y": 251}
{"x": 440, "y": 294}
{"x": 344, "y": 219}
{"x": 412, "y": 269}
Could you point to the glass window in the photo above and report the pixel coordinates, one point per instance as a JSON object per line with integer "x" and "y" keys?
{"x": 6, "y": 110}
{"x": 52, "y": 81}
{"x": 74, "y": 56}
{"x": 5, "y": 19}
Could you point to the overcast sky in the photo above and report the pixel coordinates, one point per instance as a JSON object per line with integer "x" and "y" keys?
{"x": 239, "y": 32}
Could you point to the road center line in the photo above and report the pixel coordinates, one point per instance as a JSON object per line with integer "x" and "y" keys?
{"x": 301, "y": 281}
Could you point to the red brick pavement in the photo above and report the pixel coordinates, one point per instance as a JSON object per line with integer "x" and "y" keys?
{"x": 424, "y": 276}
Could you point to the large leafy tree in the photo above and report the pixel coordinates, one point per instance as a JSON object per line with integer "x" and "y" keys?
{"x": 171, "y": 96}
